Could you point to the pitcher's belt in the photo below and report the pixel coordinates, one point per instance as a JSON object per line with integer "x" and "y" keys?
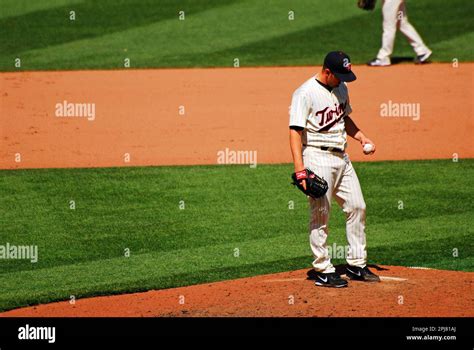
{"x": 330, "y": 149}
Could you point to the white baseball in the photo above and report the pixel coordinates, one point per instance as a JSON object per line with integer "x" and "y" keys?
{"x": 368, "y": 148}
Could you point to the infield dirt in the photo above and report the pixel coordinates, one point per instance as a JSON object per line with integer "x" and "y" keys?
{"x": 187, "y": 116}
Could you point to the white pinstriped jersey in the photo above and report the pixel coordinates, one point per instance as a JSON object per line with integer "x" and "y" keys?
{"x": 321, "y": 113}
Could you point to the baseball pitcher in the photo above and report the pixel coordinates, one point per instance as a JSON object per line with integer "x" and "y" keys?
{"x": 319, "y": 125}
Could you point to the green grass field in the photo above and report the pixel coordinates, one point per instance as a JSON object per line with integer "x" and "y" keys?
{"x": 214, "y": 32}
{"x": 82, "y": 250}
{"x": 226, "y": 208}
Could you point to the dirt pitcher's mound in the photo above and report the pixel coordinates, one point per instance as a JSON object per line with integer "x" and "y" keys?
{"x": 402, "y": 292}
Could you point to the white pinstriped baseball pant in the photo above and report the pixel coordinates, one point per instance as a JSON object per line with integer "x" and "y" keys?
{"x": 395, "y": 16}
{"x": 344, "y": 187}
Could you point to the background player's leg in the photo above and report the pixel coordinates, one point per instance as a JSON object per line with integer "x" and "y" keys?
{"x": 411, "y": 34}
{"x": 389, "y": 11}
{"x": 349, "y": 196}
{"x": 328, "y": 167}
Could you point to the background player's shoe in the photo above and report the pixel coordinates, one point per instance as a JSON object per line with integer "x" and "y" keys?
{"x": 420, "y": 59}
{"x": 377, "y": 62}
{"x": 361, "y": 274}
{"x": 330, "y": 280}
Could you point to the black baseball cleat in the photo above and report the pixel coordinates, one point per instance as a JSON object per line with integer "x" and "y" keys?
{"x": 421, "y": 59}
{"x": 361, "y": 274}
{"x": 330, "y": 280}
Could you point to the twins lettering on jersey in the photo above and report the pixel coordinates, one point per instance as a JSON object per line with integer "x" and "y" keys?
{"x": 321, "y": 113}
{"x": 330, "y": 115}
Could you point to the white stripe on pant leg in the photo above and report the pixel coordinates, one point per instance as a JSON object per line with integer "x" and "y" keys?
{"x": 319, "y": 210}
{"x": 318, "y": 236}
{"x": 355, "y": 230}
{"x": 349, "y": 197}
{"x": 319, "y": 219}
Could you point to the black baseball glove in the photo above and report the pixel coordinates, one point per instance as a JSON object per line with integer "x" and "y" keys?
{"x": 368, "y": 5}
{"x": 316, "y": 186}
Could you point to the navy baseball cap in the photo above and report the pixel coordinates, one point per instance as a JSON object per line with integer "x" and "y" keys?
{"x": 339, "y": 64}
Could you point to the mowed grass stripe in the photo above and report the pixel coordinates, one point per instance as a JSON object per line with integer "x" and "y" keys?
{"x": 226, "y": 207}
{"x": 138, "y": 208}
{"x": 139, "y": 271}
{"x": 214, "y": 33}
{"x": 157, "y": 270}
